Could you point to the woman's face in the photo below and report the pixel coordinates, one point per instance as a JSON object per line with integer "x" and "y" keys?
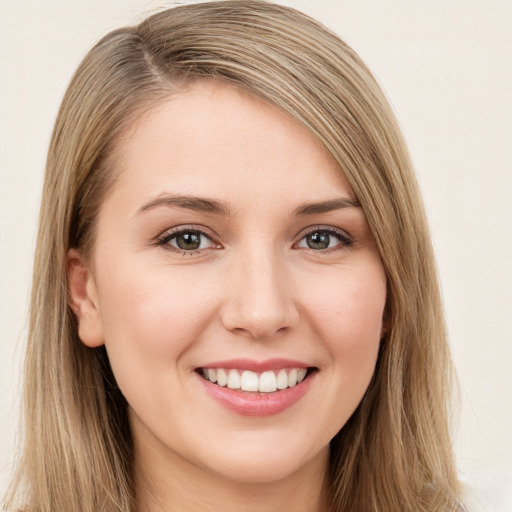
{"x": 231, "y": 248}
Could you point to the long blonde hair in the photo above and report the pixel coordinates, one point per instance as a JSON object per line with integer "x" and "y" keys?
{"x": 394, "y": 453}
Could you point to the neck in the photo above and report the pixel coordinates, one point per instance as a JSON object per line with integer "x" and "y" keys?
{"x": 165, "y": 482}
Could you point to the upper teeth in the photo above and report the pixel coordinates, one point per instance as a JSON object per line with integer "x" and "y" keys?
{"x": 246, "y": 380}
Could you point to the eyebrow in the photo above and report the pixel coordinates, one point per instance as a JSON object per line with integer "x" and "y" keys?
{"x": 326, "y": 206}
{"x": 197, "y": 204}
{"x": 213, "y": 206}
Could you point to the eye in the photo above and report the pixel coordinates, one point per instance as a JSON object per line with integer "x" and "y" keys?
{"x": 187, "y": 240}
{"x": 324, "y": 239}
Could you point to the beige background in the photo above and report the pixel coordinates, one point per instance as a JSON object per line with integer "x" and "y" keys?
{"x": 447, "y": 67}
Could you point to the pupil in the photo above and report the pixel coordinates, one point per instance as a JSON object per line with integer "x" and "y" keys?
{"x": 318, "y": 240}
{"x": 188, "y": 241}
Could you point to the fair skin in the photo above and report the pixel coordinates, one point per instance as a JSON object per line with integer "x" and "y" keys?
{"x": 231, "y": 241}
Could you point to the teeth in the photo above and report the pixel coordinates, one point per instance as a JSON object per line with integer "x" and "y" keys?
{"x": 267, "y": 382}
{"x": 292, "y": 377}
{"x": 282, "y": 380}
{"x": 233, "y": 380}
{"x": 222, "y": 377}
{"x": 246, "y": 380}
{"x": 249, "y": 381}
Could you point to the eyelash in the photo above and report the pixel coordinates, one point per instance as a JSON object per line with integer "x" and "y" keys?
{"x": 344, "y": 238}
{"x": 163, "y": 241}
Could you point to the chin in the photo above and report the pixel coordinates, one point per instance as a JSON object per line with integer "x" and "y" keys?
{"x": 273, "y": 464}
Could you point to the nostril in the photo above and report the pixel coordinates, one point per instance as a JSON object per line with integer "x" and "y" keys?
{"x": 258, "y": 313}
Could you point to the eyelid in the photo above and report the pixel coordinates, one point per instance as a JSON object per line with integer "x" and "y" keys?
{"x": 167, "y": 235}
{"x": 345, "y": 238}
{"x": 163, "y": 239}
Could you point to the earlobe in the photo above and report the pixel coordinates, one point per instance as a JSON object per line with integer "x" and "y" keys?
{"x": 83, "y": 299}
{"x": 385, "y": 328}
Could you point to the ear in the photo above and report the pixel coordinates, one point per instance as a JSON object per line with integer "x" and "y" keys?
{"x": 386, "y": 322}
{"x": 385, "y": 328}
{"x": 83, "y": 297}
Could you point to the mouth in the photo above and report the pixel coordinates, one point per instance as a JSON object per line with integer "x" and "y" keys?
{"x": 270, "y": 381}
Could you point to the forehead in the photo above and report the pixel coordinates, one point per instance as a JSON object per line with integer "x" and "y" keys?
{"x": 214, "y": 139}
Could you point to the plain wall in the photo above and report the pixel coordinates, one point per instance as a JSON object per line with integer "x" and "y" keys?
{"x": 446, "y": 66}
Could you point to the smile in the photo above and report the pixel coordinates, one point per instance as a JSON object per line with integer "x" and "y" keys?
{"x": 247, "y": 380}
{"x": 257, "y": 388}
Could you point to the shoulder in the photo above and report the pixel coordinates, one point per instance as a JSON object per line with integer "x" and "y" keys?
{"x": 487, "y": 492}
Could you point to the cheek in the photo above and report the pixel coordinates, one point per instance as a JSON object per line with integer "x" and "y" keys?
{"x": 347, "y": 315}
{"x": 349, "y": 310}
{"x": 151, "y": 318}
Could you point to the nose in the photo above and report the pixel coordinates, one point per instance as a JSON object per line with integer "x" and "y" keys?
{"x": 259, "y": 296}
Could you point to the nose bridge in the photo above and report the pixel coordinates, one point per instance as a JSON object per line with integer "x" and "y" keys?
{"x": 259, "y": 301}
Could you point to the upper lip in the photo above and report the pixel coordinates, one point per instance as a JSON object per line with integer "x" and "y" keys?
{"x": 256, "y": 366}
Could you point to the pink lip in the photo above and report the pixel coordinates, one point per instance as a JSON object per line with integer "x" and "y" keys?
{"x": 256, "y": 403}
{"x": 256, "y": 366}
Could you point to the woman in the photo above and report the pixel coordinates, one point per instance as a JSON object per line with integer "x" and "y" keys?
{"x": 235, "y": 302}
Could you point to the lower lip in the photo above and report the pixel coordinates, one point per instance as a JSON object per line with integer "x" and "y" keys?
{"x": 257, "y": 404}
